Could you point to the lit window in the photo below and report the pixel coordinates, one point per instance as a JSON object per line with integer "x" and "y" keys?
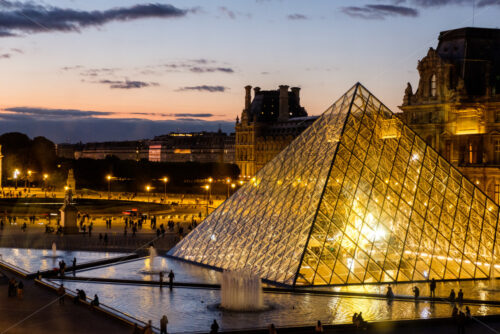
{"x": 433, "y": 85}
{"x": 496, "y": 147}
{"x": 497, "y": 193}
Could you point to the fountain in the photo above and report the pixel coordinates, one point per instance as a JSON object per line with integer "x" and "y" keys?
{"x": 54, "y": 250}
{"x": 152, "y": 267}
{"x": 241, "y": 290}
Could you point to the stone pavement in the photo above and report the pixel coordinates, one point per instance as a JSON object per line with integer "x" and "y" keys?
{"x": 39, "y": 312}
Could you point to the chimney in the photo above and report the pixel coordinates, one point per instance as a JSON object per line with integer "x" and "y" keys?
{"x": 283, "y": 110}
{"x": 256, "y": 91}
{"x": 296, "y": 94}
{"x": 248, "y": 96}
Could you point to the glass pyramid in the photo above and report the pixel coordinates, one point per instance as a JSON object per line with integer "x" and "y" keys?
{"x": 358, "y": 197}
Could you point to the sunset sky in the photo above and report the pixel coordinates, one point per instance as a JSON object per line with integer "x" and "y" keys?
{"x": 95, "y": 70}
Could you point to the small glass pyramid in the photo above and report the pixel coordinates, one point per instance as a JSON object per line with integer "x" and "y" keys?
{"x": 358, "y": 197}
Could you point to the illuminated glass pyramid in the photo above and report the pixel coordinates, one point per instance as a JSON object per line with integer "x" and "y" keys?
{"x": 356, "y": 198}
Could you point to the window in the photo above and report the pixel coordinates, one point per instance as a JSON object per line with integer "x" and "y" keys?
{"x": 496, "y": 147}
{"x": 497, "y": 193}
{"x": 497, "y": 116}
{"x": 472, "y": 153}
{"x": 433, "y": 85}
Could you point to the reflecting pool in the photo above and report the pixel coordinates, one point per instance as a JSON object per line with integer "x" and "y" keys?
{"x": 190, "y": 309}
{"x": 32, "y": 260}
{"x": 133, "y": 270}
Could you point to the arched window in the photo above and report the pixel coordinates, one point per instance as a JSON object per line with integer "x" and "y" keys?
{"x": 433, "y": 85}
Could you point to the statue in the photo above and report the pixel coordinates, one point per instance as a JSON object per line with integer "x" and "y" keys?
{"x": 408, "y": 94}
{"x": 68, "y": 197}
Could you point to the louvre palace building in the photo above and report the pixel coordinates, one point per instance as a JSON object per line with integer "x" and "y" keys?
{"x": 456, "y": 106}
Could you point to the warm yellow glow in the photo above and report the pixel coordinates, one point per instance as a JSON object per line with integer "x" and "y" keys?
{"x": 165, "y": 179}
{"x": 66, "y": 188}
{"x": 148, "y": 188}
{"x": 108, "y": 177}
{"x": 29, "y": 173}
{"x": 207, "y": 187}
{"x": 182, "y": 151}
{"x": 228, "y": 180}
{"x": 233, "y": 185}
{"x": 240, "y": 182}
{"x": 45, "y": 176}
{"x": 210, "y": 180}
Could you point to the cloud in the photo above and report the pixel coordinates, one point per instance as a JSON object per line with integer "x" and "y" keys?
{"x": 5, "y": 56}
{"x": 176, "y": 115}
{"x": 27, "y": 17}
{"x": 297, "y": 17}
{"x": 127, "y": 84}
{"x": 227, "y": 12}
{"x": 108, "y": 129}
{"x": 47, "y": 113}
{"x": 379, "y": 12}
{"x": 199, "y": 115}
{"x": 204, "y": 88}
{"x": 197, "y": 66}
{"x": 441, "y": 3}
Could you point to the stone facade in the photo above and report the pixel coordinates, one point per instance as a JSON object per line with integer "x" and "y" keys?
{"x": 268, "y": 124}
{"x": 456, "y": 107}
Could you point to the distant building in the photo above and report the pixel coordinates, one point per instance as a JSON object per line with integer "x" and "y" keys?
{"x": 268, "y": 123}
{"x": 193, "y": 146}
{"x": 456, "y": 107}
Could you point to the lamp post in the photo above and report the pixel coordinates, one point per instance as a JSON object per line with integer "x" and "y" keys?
{"x": 233, "y": 185}
{"x": 148, "y": 188}
{"x": 28, "y": 176}
{"x": 228, "y": 182}
{"x": 108, "y": 177}
{"x": 16, "y": 173}
{"x": 45, "y": 177}
{"x": 207, "y": 188}
{"x": 165, "y": 180}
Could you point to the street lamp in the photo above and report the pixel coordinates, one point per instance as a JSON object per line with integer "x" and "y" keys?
{"x": 207, "y": 188}
{"x": 228, "y": 182}
{"x": 148, "y": 188}
{"x": 108, "y": 177}
{"x": 45, "y": 177}
{"x": 165, "y": 180}
{"x": 28, "y": 176}
{"x": 16, "y": 173}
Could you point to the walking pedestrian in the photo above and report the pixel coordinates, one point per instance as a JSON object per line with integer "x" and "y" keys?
{"x": 214, "y": 328}
{"x": 163, "y": 324}
{"x": 271, "y": 329}
{"x": 460, "y": 296}
{"x": 20, "y": 290}
{"x": 171, "y": 279}
{"x": 452, "y": 295}
{"x": 61, "y": 292}
{"x": 148, "y": 329}
{"x": 416, "y": 292}
{"x": 318, "y": 328}
{"x": 432, "y": 288}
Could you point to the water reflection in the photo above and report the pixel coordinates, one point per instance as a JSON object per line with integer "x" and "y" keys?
{"x": 139, "y": 270}
{"x": 32, "y": 260}
{"x": 192, "y": 309}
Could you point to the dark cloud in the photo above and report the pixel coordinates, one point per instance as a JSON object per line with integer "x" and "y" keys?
{"x": 197, "y": 66}
{"x": 441, "y": 3}
{"x": 379, "y": 12}
{"x": 28, "y": 17}
{"x": 107, "y": 129}
{"x": 227, "y": 12}
{"x": 297, "y": 17}
{"x": 127, "y": 84}
{"x": 199, "y": 115}
{"x": 204, "y": 88}
{"x": 5, "y": 56}
{"x": 46, "y": 113}
{"x": 196, "y": 115}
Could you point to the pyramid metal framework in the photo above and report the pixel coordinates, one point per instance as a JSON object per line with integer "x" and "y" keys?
{"x": 358, "y": 197}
